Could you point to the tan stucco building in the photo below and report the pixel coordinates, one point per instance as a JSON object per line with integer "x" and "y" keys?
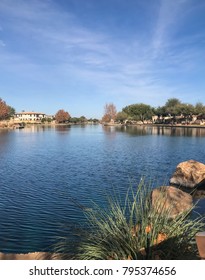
{"x": 29, "y": 116}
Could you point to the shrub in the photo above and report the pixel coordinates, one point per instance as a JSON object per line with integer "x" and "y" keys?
{"x": 135, "y": 230}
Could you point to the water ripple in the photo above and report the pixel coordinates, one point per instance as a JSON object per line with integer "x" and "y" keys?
{"x": 50, "y": 176}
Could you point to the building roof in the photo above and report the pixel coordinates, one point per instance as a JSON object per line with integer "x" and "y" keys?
{"x": 30, "y": 113}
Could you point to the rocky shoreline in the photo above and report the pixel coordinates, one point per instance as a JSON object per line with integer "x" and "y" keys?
{"x": 186, "y": 183}
{"x": 190, "y": 177}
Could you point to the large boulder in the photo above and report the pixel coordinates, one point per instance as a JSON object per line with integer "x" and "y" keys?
{"x": 171, "y": 201}
{"x": 189, "y": 174}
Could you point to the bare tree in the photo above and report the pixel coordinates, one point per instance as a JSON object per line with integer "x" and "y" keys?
{"x": 110, "y": 112}
{"x": 4, "y": 110}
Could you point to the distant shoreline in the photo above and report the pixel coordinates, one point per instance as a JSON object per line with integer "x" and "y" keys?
{"x": 177, "y": 125}
{"x": 159, "y": 125}
{"x": 12, "y": 126}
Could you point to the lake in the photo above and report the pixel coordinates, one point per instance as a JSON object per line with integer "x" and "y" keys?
{"x": 50, "y": 175}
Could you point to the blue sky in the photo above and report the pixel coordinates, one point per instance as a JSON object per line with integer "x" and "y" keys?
{"x": 78, "y": 55}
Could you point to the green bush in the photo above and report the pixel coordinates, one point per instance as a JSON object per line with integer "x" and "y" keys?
{"x": 135, "y": 230}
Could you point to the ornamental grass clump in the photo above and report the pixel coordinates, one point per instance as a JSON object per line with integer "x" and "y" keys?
{"x": 136, "y": 230}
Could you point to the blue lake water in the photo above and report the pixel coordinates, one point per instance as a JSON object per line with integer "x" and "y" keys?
{"x": 48, "y": 175}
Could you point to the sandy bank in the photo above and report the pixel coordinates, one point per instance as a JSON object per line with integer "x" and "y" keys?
{"x": 30, "y": 256}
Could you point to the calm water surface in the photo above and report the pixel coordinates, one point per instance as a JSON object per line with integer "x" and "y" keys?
{"x": 48, "y": 175}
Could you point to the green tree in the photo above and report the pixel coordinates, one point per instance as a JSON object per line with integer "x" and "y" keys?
{"x": 82, "y": 119}
{"x": 172, "y": 102}
{"x": 93, "y": 120}
{"x": 172, "y": 106}
{"x": 74, "y": 120}
{"x": 62, "y": 116}
{"x": 121, "y": 116}
{"x": 160, "y": 111}
{"x": 186, "y": 109}
{"x": 12, "y": 111}
{"x": 139, "y": 111}
{"x": 199, "y": 108}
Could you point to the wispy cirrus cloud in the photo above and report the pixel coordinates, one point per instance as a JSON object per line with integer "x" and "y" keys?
{"x": 52, "y": 46}
{"x": 169, "y": 15}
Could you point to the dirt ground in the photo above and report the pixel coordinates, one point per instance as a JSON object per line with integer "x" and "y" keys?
{"x": 30, "y": 256}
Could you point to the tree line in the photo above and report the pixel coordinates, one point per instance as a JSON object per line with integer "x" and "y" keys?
{"x": 61, "y": 116}
{"x": 134, "y": 112}
{"x": 141, "y": 112}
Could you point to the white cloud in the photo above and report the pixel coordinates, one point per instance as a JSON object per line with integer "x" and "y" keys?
{"x": 170, "y": 13}
{"x": 60, "y": 49}
{"x": 25, "y": 10}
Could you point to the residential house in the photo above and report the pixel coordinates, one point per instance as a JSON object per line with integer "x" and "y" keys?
{"x": 29, "y": 116}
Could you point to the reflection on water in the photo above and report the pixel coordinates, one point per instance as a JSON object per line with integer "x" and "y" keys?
{"x": 160, "y": 130}
{"x": 50, "y": 173}
{"x": 111, "y": 130}
{"x": 62, "y": 128}
{"x": 6, "y": 139}
{"x": 3, "y": 137}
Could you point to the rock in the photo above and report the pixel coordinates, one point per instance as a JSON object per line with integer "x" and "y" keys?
{"x": 171, "y": 201}
{"x": 189, "y": 174}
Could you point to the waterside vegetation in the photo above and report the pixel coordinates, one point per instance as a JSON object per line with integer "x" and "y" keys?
{"x": 148, "y": 224}
{"x": 173, "y": 112}
{"x": 136, "y": 230}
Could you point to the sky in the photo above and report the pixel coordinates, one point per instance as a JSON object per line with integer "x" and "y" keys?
{"x": 78, "y": 55}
